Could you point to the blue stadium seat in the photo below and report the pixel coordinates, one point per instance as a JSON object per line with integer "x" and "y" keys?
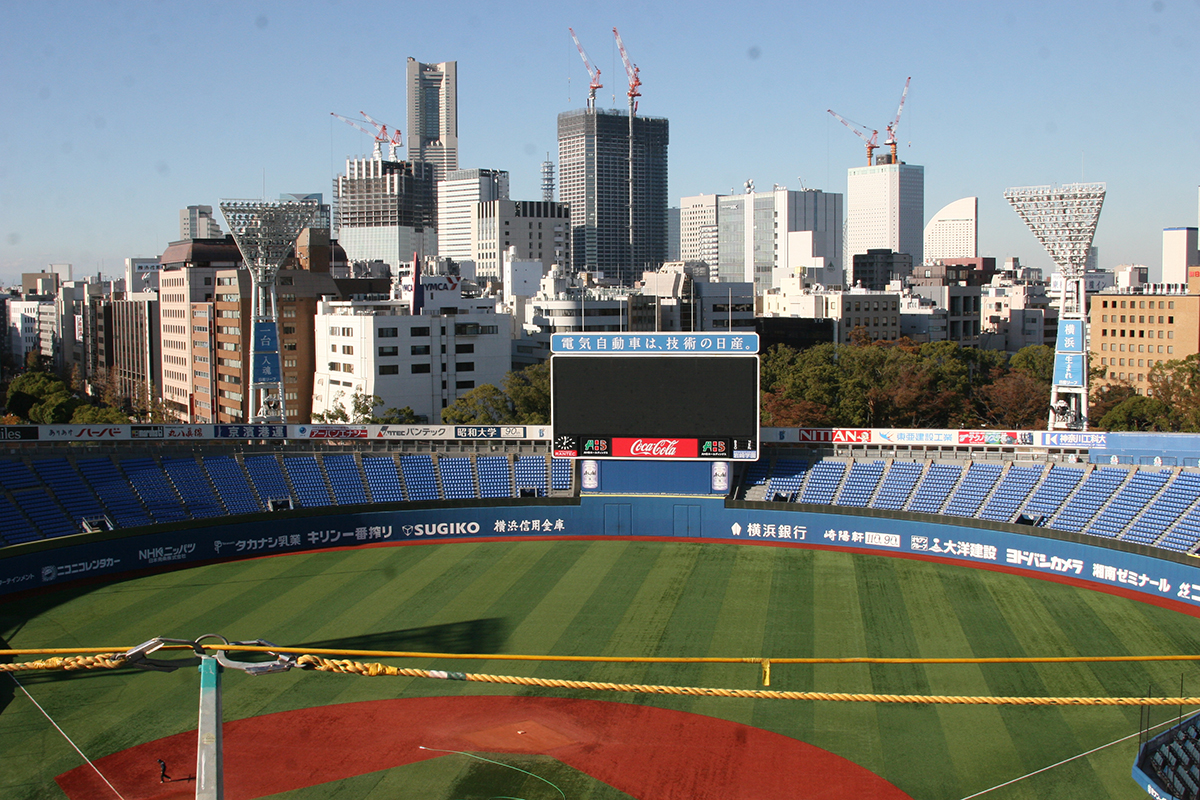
{"x": 233, "y": 487}
{"x": 1131, "y": 500}
{"x": 823, "y": 481}
{"x": 14, "y": 526}
{"x": 383, "y": 480}
{"x": 458, "y": 479}
{"x": 155, "y": 491}
{"x": 561, "y": 470}
{"x": 1048, "y": 498}
{"x": 495, "y": 476}
{"x": 1084, "y": 504}
{"x": 267, "y": 477}
{"x": 115, "y": 492}
{"x": 974, "y": 489}
{"x": 530, "y": 473}
{"x": 897, "y": 485}
{"x": 1012, "y": 492}
{"x": 69, "y": 489}
{"x": 46, "y": 514}
{"x": 188, "y": 479}
{"x": 344, "y": 479}
{"x": 861, "y": 483}
{"x": 787, "y": 477}
{"x": 936, "y": 486}
{"x": 15, "y": 475}
{"x": 419, "y": 478}
{"x": 308, "y": 481}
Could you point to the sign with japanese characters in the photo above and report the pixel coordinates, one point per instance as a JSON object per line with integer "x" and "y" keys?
{"x": 265, "y": 366}
{"x": 655, "y": 344}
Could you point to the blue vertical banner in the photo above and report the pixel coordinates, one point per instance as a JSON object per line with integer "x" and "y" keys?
{"x": 265, "y": 368}
{"x": 1069, "y": 360}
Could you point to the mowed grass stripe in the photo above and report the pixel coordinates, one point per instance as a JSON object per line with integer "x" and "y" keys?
{"x": 838, "y": 631}
{"x": 885, "y": 613}
{"x": 937, "y": 634}
{"x": 738, "y": 629}
{"x": 789, "y": 634}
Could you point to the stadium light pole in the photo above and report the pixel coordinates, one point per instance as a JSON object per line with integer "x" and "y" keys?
{"x": 210, "y": 759}
{"x": 265, "y": 233}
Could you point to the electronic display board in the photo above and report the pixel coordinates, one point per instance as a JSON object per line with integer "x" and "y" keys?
{"x": 649, "y": 397}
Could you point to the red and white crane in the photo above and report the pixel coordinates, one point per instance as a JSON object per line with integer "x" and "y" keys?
{"x": 891, "y": 129}
{"x": 631, "y": 71}
{"x": 380, "y": 134}
{"x": 593, "y": 73}
{"x": 854, "y": 128}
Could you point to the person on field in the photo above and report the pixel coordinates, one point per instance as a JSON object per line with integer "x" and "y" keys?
{"x": 164, "y": 777}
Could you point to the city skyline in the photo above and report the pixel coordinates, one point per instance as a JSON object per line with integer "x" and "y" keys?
{"x": 111, "y": 133}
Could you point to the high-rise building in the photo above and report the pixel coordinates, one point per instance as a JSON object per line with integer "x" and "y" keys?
{"x": 954, "y": 231}
{"x": 386, "y": 210}
{"x": 433, "y": 115}
{"x": 196, "y": 222}
{"x": 593, "y": 162}
{"x": 1179, "y": 251}
{"x": 456, "y": 199}
{"x": 539, "y": 231}
{"x": 698, "y": 229}
{"x": 885, "y": 209}
{"x": 757, "y": 233}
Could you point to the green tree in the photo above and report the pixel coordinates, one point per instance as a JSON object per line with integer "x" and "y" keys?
{"x": 30, "y": 389}
{"x": 483, "y": 405}
{"x": 1036, "y": 361}
{"x": 1177, "y": 385}
{"x": 1138, "y": 413}
{"x": 1015, "y": 400}
{"x": 528, "y": 391}
{"x": 98, "y": 415}
{"x": 54, "y": 409}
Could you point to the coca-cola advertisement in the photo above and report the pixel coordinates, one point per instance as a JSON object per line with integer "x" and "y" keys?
{"x": 655, "y": 447}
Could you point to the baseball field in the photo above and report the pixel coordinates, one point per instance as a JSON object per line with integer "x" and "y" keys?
{"x": 304, "y": 734}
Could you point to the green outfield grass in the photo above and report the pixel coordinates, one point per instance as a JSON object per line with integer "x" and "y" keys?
{"x": 625, "y": 598}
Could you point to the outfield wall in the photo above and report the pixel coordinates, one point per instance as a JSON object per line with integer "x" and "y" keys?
{"x": 60, "y": 562}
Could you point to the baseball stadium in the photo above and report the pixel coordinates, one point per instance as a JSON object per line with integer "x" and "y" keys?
{"x": 459, "y": 613}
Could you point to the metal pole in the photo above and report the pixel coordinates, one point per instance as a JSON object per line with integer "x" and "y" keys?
{"x": 210, "y": 777}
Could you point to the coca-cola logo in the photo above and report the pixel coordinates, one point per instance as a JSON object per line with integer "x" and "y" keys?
{"x": 663, "y": 447}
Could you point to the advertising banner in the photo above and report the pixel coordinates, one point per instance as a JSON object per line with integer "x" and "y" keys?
{"x": 655, "y": 344}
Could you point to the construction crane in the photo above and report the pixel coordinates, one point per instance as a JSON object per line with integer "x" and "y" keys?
{"x": 854, "y": 128}
{"x": 380, "y": 135}
{"x": 395, "y": 140}
{"x": 631, "y": 70}
{"x": 593, "y": 73}
{"x": 891, "y": 129}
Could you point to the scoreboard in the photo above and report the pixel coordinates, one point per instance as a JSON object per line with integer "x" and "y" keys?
{"x": 655, "y": 395}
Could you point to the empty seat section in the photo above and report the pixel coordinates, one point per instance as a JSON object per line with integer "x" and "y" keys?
{"x": 754, "y": 484}
{"x": 823, "y": 482}
{"x": 14, "y": 528}
{"x": 1014, "y": 488}
{"x": 495, "y": 476}
{"x": 232, "y": 487}
{"x": 344, "y": 478}
{"x": 530, "y": 472}
{"x": 419, "y": 477}
{"x": 898, "y": 484}
{"x": 383, "y": 479}
{"x": 458, "y": 479}
{"x": 1095, "y": 491}
{"x": 153, "y": 488}
{"x": 308, "y": 481}
{"x": 1130, "y": 501}
{"x": 787, "y": 476}
{"x": 70, "y": 491}
{"x": 936, "y": 486}
{"x": 1169, "y": 506}
{"x": 115, "y": 492}
{"x": 1183, "y": 535}
{"x": 267, "y": 478}
{"x": 975, "y": 486}
{"x": 1049, "y": 497}
{"x": 193, "y": 487}
{"x": 860, "y": 483}
{"x": 45, "y": 513}
{"x": 15, "y": 475}
{"x": 560, "y": 474}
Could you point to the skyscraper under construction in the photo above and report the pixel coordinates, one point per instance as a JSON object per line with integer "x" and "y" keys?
{"x": 593, "y": 163}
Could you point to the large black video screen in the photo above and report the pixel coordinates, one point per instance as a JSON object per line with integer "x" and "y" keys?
{"x": 693, "y": 397}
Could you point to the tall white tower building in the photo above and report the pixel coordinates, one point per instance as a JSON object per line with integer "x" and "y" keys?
{"x": 456, "y": 199}
{"x": 758, "y": 241}
{"x": 433, "y": 115}
{"x": 698, "y": 228}
{"x": 954, "y": 231}
{"x": 885, "y": 208}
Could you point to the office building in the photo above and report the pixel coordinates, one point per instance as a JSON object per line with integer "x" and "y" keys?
{"x": 1130, "y": 332}
{"x": 698, "y": 235}
{"x": 885, "y": 209}
{"x": 875, "y": 314}
{"x": 386, "y": 210}
{"x": 433, "y": 116}
{"x": 593, "y": 161}
{"x": 538, "y": 230}
{"x": 757, "y": 241}
{"x": 456, "y": 199}
{"x": 875, "y": 269}
{"x": 196, "y": 222}
{"x": 954, "y": 231}
{"x": 141, "y": 274}
{"x": 1179, "y": 252}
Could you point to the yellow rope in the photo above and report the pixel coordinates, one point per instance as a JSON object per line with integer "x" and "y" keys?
{"x": 102, "y": 660}
{"x": 346, "y": 667}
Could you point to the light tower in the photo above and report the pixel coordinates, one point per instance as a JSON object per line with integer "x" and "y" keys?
{"x": 265, "y": 232}
{"x": 548, "y": 180}
{"x": 1064, "y": 218}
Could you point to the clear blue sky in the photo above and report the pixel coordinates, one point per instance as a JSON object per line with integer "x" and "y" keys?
{"x": 118, "y": 114}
